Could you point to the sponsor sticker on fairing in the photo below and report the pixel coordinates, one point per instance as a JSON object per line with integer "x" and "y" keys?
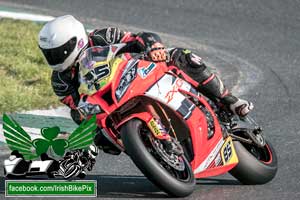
{"x": 228, "y": 152}
{"x": 144, "y": 72}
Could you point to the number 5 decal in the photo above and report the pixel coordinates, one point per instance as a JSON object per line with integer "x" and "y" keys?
{"x": 102, "y": 71}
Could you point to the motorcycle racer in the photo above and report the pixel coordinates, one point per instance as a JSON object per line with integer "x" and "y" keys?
{"x": 63, "y": 39}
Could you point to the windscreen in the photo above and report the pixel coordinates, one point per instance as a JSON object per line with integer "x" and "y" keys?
{"x": 93, "y": 55}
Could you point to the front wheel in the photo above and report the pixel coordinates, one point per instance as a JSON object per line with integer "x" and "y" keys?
{"x": 176, "y": 182}
{"x": 257, "y": 165}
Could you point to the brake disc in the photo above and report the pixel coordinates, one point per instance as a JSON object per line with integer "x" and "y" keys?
{"x": 171, "y": 159}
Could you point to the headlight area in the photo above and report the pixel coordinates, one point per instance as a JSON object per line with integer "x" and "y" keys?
{"x": 127, "y": 77}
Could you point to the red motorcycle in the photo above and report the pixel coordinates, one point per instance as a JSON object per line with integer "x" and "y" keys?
{"x": 172, "y": 133}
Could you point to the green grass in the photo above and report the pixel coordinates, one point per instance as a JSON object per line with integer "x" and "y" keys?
{"x": 24, "y": 74}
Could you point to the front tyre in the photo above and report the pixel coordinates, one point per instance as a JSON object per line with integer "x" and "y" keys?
{"x": 257, "y": 165}
{"x": 153, "y": 168}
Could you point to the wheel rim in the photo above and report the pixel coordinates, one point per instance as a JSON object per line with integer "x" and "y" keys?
{"x": 184, "y": 175}
{"x": 262, "y": 154}
{"x": 270, "y": 155}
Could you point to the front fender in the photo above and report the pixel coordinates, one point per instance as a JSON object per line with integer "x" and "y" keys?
{"x": 144, "y": 116}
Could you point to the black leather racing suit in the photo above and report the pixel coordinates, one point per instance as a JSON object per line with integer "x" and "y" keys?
{"x": 65, "y": 84}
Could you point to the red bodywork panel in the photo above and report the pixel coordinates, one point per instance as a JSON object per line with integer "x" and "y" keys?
{"x": 206, "y": 151}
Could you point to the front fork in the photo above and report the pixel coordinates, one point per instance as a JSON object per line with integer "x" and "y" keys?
{"x": 155, "y": 124}
{"x": 159, "y": 131}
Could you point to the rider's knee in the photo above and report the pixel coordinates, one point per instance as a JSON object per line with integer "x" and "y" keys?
{"x": 77, "y": 118}
{"x": 186, "y": 59}
{"x": 190, "y": 63}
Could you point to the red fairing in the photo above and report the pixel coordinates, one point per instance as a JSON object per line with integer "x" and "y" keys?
{"x": 202, "y": 145}
{"x": 170, "y": 87}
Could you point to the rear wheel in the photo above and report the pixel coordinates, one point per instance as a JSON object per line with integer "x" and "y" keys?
{"x": 170, "y": 173}
{"x": 257, "y": 165}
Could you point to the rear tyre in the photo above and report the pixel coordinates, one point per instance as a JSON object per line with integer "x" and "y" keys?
{"x": 256, "y": 165}
{"x": 150, "y": 166}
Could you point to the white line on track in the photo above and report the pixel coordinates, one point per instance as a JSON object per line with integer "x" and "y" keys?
{"x": 57, "y": 112}
{"x": 25, "y": 16}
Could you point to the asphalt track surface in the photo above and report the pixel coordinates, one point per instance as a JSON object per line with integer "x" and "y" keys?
{"x": 254, "y": 44}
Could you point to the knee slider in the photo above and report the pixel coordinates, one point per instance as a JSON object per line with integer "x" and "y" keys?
{"x": 195, "y": 61}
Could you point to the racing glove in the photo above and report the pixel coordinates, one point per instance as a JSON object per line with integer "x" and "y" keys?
{"x": 85, "y": 108}
{"x": 158, "y": 53}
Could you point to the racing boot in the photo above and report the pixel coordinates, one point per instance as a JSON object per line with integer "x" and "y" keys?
{"x": 212, "y": 87}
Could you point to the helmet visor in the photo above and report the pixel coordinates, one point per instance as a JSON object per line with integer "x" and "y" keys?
{"x": 59, "y": 54}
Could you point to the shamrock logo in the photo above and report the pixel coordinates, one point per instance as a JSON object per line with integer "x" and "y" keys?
{"x": 17, "y": 139}
{"x": 43, "y": 144}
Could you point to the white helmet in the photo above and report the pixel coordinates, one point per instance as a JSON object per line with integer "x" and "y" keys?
{"x": 61, "y": 40}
